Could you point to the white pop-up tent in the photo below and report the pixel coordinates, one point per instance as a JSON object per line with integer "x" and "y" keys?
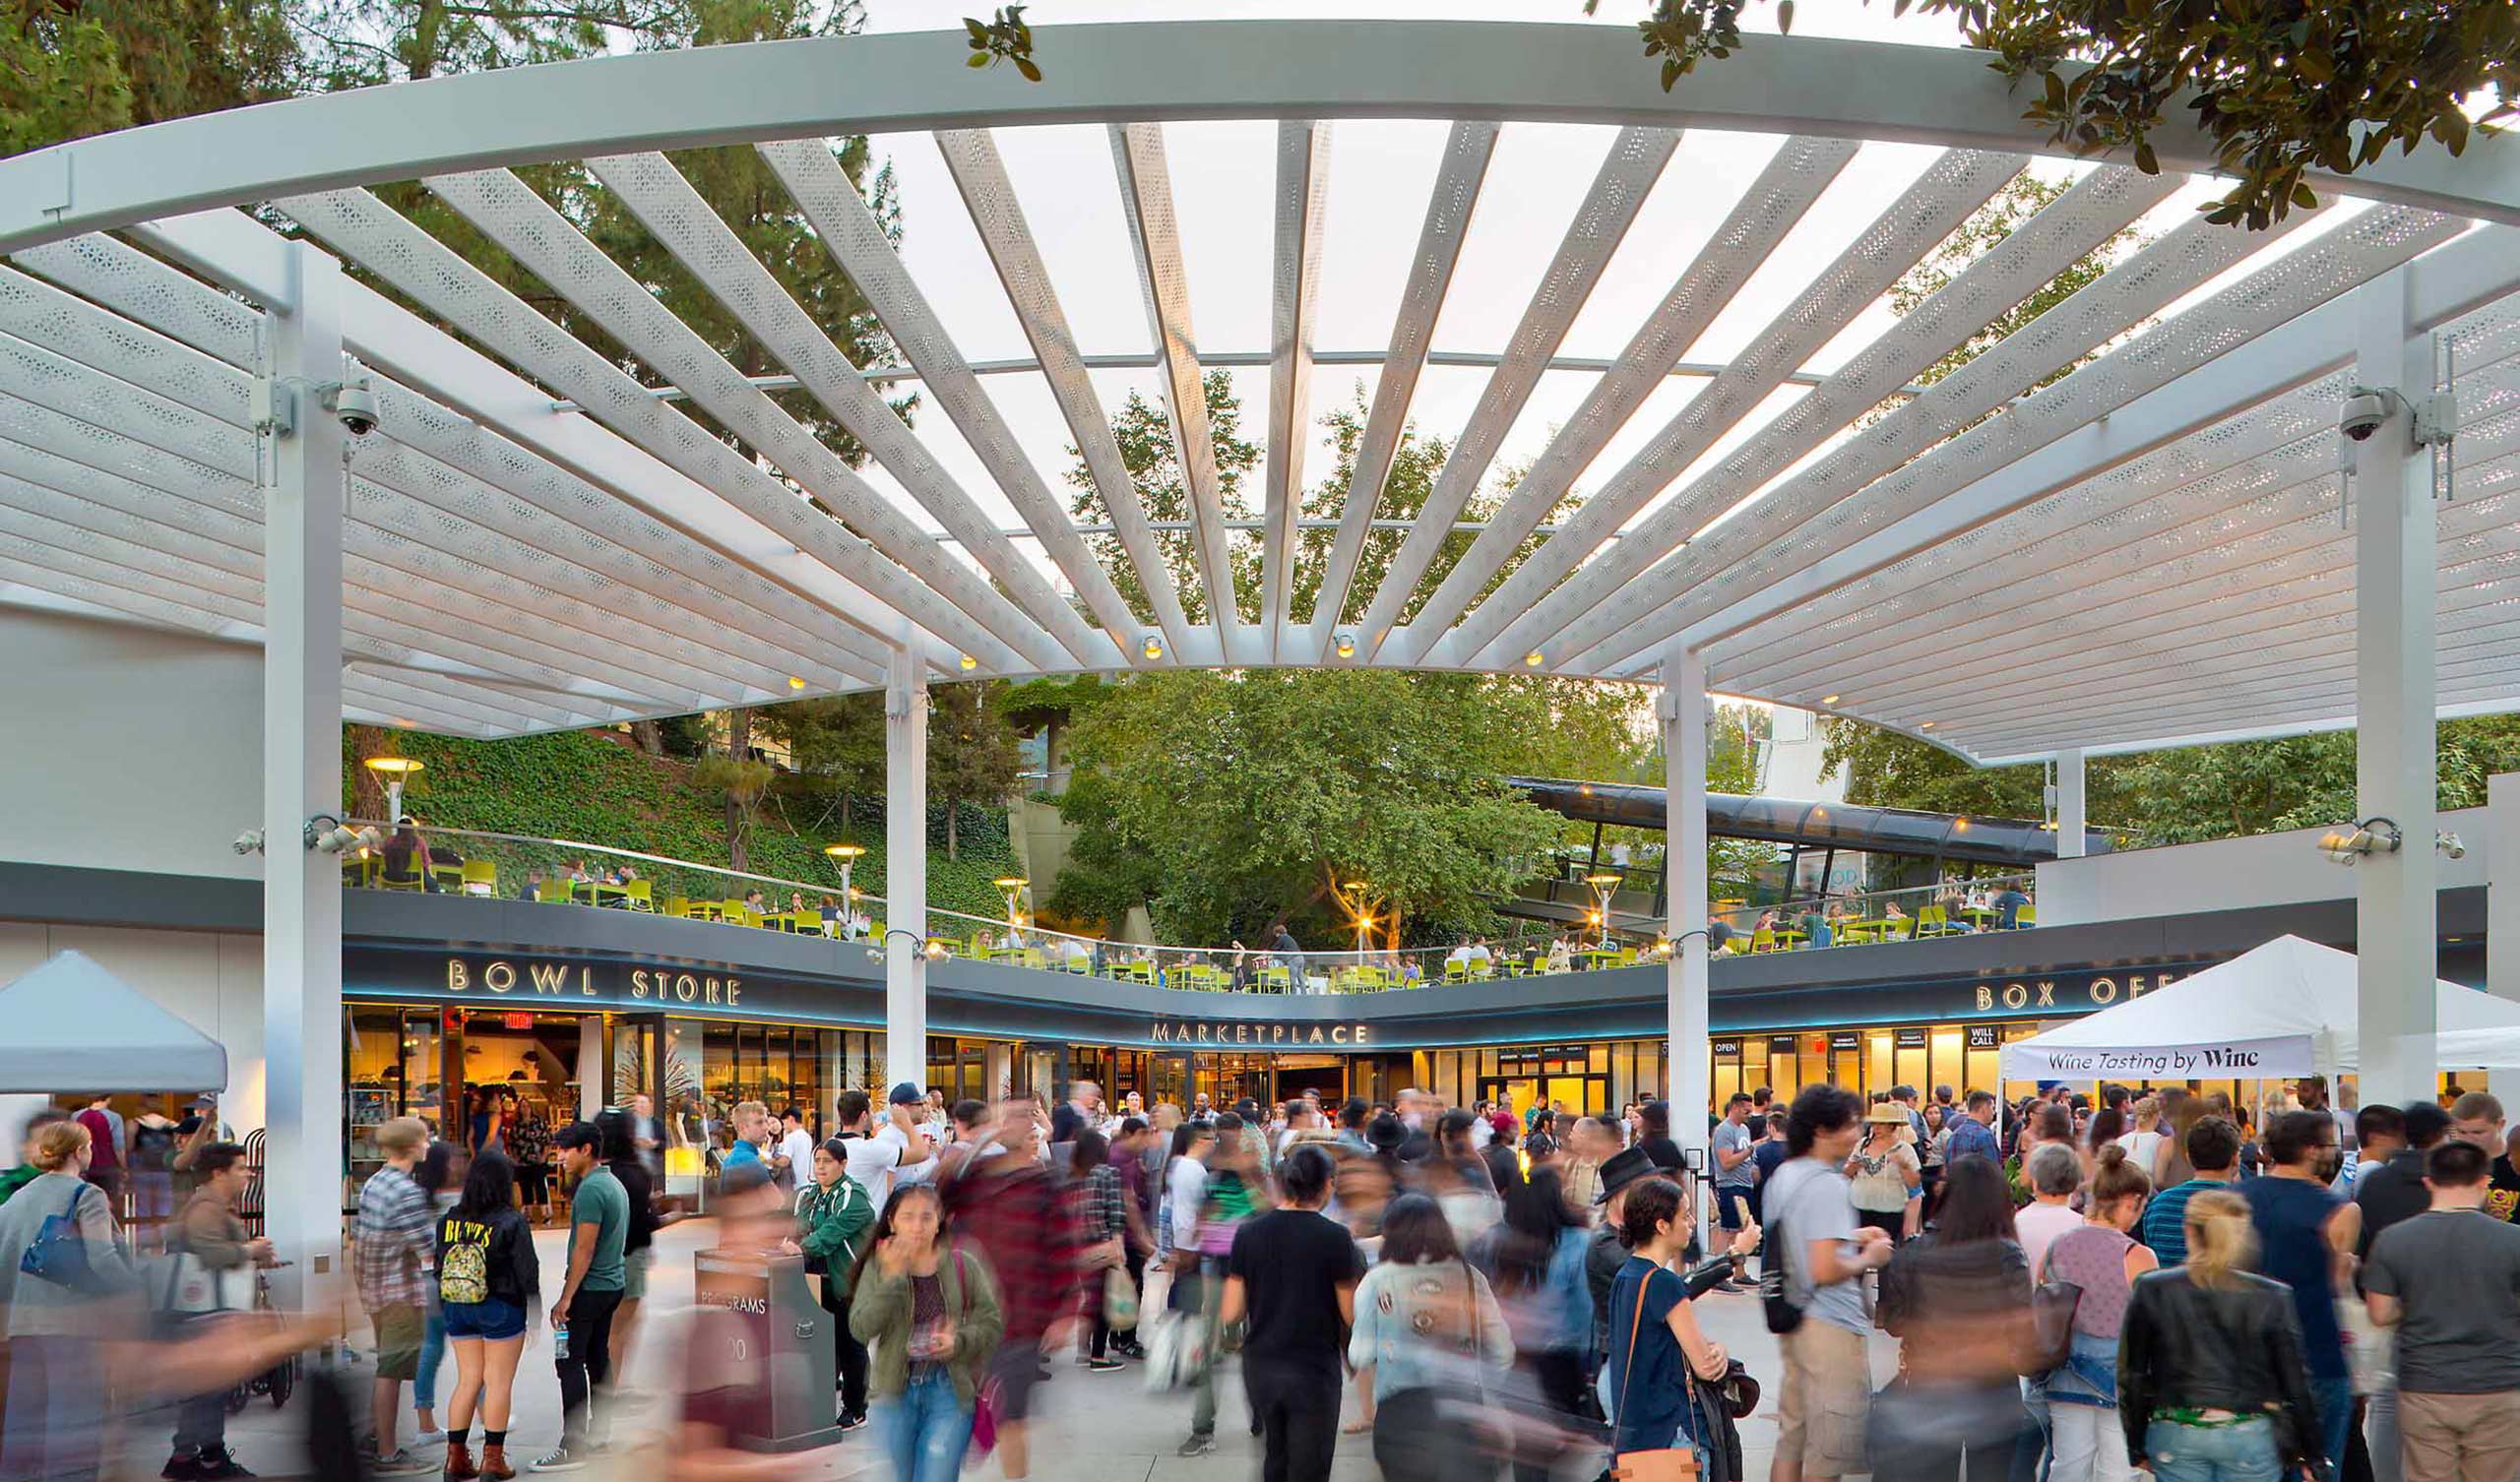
{"x": 69, "y": 1025}
{"x": 2283, "y": 1009}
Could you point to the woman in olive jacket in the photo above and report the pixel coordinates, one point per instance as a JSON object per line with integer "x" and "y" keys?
{"x": 929, "y": 1312}
{"x": 832, "y": 1216}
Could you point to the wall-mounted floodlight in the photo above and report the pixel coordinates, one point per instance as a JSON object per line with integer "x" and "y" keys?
{"x": 2346, "y": 845}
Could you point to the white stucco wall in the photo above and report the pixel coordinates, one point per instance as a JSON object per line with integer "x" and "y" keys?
{"x": 212, "y": 980}
{"x": 127, "y": 748}
{"x": 2265, "y": 869}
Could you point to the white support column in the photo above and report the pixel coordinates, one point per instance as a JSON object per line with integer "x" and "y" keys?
{"x": 2502, "y": 886}
{"x": 2394, "y": 562}
{"x": 303, "y": 1154}
{"x": 2069, "y": 803}
{"x": 1686, "y": 1068}
{"x": 905, "y": 870}
{"x": 590, "y": 1065}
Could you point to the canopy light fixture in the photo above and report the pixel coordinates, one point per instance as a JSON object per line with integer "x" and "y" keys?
{"x": 1533, "y": 659}
{"x": 795, "y": 683}
{"x": 1345, "y": 639}
{"x": 968, "y": 663}
{"x": 2347, "y": 844}
{"x": 1928, "y": 726}
{"x": 1828, "y": 700}
{"x": 1151, "y": 646}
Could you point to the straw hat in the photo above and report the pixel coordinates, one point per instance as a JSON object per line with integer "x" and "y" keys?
{"x": 1887, "y": 1111}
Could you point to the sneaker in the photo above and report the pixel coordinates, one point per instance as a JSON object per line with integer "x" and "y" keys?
{"x": 1104, "y": 1366}
{"x": 852, "y": 1420}
{"x": 218, "y": 1465}
{"x": 562, "y": 1459}
{"x": 429, "y": 1438}
{"x": 182, "y": 1466}
{"x": 1199, "y": 1444}
{"x": 401, "y": 1463}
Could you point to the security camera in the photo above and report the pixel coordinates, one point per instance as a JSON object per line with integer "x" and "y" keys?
{"x": 2365, "y": 410}
{"x": 2450, "y": 846}
{"x": 249, "y": 842}
{"x": 355, "y": 406}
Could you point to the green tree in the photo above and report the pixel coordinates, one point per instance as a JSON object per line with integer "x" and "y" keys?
{"x": 1145, "y": 435}
{"x": 2024, "y": 197}
{"x": 836, "y": 745}
{"x": 72, "y": 68}
{"x": 972, "y": 753}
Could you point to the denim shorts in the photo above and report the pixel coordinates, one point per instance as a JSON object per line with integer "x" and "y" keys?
{"x": 492, "y": 1319}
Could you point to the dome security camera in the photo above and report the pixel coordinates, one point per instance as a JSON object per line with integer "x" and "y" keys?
{"x": 2366, "y": 412}
{"x": 355, "y": 406}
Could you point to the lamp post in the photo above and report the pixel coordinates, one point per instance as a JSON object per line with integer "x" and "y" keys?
{"x": 1013, "y": 887}
{"x": 1603, "y": 885}
{"x": 848, "y": 855}
{"x": 393, "y": 771}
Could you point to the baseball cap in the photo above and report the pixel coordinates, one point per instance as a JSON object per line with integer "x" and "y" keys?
{"x": 907, "y": 1094}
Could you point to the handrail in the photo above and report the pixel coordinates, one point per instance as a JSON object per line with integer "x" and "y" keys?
{"x": 1206, "y": 968}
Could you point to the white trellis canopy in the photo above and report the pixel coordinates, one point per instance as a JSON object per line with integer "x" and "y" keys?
{"x": 2146, "y": 550}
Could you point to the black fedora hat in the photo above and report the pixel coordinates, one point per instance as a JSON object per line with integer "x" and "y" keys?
{"x": 1622, "y": 1168}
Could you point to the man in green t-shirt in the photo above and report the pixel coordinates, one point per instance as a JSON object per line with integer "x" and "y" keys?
{"x": 582, "y": 1318}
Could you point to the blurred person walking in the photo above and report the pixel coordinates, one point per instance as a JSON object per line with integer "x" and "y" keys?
{"x": 1129, "y": 1164}
{"x": 1292, "y": 1275}
{"x": 725, "y": 1380}
{"x": 58, "y": 1285}
{"x": 488, "y": 1282}
{"x": 1431, "y": 1332}
{"x": 208, "y": 1233}
{"x": 929, "y": 1313}
{"x": 1822, "y": 1258}
{"x": 1535, "y": 1262}
{"x": 2088, "y": 1439}
{"x": 394, "y": 1243}
{"x": 1096, "y": 1202}
{"x": 2448, "y": 1282}
{"x": 590, "y": 1296}
{"x": 2389, "y": 1192}
{"x": 1007, "y": 1205}
{"x": 622, "y": 1154}
{"x": 832, "y": 1223}
{"x": 2210, "y": 1382}
{"x": 1958, "y": 1300}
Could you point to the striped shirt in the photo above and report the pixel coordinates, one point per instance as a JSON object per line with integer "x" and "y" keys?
{"x": 2165, "y": 1226}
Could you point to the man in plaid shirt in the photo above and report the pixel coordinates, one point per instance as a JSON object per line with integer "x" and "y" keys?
{"x": 394, "y": 1237}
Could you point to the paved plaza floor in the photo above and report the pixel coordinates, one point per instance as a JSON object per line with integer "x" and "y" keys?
{"x": 1091, "y": 1427}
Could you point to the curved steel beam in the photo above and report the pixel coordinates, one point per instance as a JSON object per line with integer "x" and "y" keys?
{"x": 1092, "y": 74}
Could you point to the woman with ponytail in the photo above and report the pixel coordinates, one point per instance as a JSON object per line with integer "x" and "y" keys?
{"x": 2210, "y": 1382}
{"x": 2087, "y": 1441}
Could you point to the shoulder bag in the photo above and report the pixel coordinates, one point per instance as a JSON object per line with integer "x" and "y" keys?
{"x": 1671, "y": 1463}
{"x": 59, "y": 1253}
{"x": 2051, "y": 1322}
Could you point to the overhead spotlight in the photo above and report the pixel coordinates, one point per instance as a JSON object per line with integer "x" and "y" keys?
{"x": 1828, "y": 700}
{"x": 1151, "y": 646}
{"x": 1345, "y": 639}
{"x": 969, "y": 663}
{"x": 327, "y": 834}
{"x": 795, "y": 683}
{"x": 1533, "y": 659}
{"x": 2346, "y": 845}
{"x": 1928, "y": 726}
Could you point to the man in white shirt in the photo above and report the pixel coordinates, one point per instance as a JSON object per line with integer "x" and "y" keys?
{"x": 877, "y": 1153}
{"x": 795, "y": 1162}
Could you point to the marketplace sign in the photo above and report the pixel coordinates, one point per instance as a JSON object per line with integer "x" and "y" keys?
{"x": 2273, "y": 1058}
{"x": 1192, "y": 1032}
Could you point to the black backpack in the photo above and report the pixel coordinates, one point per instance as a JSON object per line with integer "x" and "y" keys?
{"x": 1784, "y": 1315}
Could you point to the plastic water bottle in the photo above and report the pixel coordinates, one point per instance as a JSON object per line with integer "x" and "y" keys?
{"x": 559, "y": 1340}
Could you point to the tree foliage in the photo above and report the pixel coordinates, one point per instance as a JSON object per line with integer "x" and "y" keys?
{"x": 72, "y": 68}
{"x": 2024, "y": 197}
{"x": 972, "y": 754}
{"x": 1143, "y": 431}
{"x": 1226, "y": 801}
{"x": 2280, "y": 88}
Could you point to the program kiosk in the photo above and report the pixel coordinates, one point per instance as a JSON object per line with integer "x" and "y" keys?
{"x": 782, "y": 1340}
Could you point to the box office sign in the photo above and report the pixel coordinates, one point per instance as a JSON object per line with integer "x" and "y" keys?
{"x": 2096, "y": 990}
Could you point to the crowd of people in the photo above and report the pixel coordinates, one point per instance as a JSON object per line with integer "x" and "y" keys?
{"x": 2078, "y": 1287}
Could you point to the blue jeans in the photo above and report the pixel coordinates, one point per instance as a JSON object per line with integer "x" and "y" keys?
{"x": 2335, "y": 1400}
{"x": 926, "y": 1429}
{"x": 2242, "y": 1453}
{"x": 433, "y": 1354}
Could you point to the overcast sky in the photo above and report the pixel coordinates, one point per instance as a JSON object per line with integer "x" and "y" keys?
{"x": 1380, "y": 176}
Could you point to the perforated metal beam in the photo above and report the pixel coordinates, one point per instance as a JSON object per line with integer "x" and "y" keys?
{"x": 1467, "y": 150}
{"x": 1155, "y": 238}
{"x": 1091, "y": 74}
{"x": 1302, "y": 186}
{"x": 1775, "y": 201}
{"x": 856, "y": 242}
{"x": 1626, "y": 177}
{"x": 245, "y": 256}
{"x": 980, "y": 176}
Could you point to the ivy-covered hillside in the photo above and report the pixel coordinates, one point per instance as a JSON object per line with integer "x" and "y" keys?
{"x": 587, "y": 785}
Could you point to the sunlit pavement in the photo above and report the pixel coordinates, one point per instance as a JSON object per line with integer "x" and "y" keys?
{"x": 1089, "y": 1427}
